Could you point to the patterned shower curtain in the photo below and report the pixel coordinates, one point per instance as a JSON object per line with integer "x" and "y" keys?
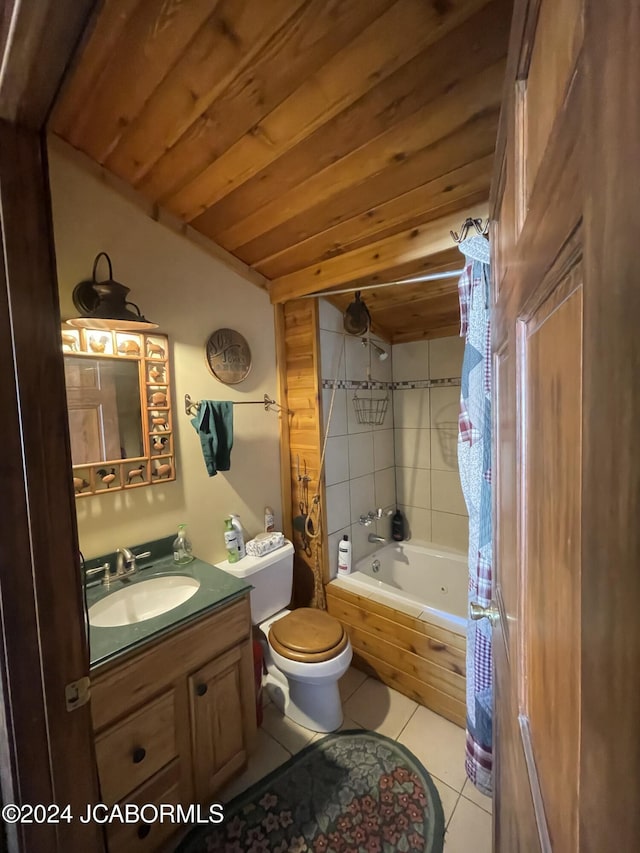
{"x": 474, "y": 460}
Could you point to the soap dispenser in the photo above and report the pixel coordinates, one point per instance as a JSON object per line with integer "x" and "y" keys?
{"x": 182, "y": 548}
{"x": 231, "y": 541}
{"x": 237, "y": 526}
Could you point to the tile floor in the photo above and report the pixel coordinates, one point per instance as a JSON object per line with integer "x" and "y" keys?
{"x": 436, "y": 742}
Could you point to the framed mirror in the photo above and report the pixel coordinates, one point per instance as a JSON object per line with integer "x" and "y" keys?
{"x": 119, "y": 407}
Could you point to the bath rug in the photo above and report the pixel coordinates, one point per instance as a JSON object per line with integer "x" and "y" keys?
{"x": 350, "y": 792}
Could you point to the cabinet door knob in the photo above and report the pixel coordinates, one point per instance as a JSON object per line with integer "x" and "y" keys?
{"x": 201, "y": 689}
{"x": 143, "y": 830}
{"x": 138, "y": 754}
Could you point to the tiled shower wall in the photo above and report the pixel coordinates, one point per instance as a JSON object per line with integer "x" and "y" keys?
{"x": 411, "y": 457}
{"x": 426, "y": 425}
{"x": 359, "y": 460}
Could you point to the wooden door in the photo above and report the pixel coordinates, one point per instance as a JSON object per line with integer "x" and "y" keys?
{"x": 567, "y": 488}
{"x": 219, "y": 746}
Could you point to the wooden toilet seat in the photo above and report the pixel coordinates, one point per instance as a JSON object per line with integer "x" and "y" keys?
{"x": 308, "y": 635}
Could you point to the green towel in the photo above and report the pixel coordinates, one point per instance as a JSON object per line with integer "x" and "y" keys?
{"x": 214, "y": 425}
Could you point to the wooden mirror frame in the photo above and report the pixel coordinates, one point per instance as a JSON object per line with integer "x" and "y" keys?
{"x": 151, "y": 353}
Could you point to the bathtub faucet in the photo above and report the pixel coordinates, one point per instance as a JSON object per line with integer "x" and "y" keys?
{"x": 374, "y": 516}
{"x": 373, "y": 538}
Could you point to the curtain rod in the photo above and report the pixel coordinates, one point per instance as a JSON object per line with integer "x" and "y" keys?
{"x": 436, "y": 276}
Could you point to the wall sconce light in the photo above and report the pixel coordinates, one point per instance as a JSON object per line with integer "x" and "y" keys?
{"x": 103, "y": 305}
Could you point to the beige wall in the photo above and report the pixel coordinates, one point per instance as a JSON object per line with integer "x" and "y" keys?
{"x": 189, "y": 294}
{"x": 426, "y": 428}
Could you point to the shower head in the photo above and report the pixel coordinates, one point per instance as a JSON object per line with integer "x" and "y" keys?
{"x": 382, "y": 354}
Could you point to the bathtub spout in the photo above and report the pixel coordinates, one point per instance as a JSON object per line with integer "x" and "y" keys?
{"x": 373, "y": 538}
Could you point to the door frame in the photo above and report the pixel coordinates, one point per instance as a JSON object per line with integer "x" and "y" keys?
{"x": 46, "y": 751}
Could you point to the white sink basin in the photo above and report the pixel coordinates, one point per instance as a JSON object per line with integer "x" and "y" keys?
{"x": 142, "y": 600}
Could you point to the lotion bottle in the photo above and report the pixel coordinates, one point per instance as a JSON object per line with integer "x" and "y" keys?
{"x": 231, "y": 541}
{"x": 344, "y": 556}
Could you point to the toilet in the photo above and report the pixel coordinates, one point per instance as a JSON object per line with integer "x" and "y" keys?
{"x": 306, "y": 650}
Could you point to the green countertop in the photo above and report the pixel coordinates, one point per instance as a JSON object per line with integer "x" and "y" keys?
{"x": 217, "y": 588}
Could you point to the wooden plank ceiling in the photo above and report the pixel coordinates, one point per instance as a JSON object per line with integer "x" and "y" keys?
{"x": 322, "y": 142}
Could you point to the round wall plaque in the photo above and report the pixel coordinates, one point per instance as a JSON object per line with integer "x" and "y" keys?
{"x": 228, "y": 356}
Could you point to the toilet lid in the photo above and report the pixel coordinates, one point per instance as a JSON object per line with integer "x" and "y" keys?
{"x": 308, "y": 635}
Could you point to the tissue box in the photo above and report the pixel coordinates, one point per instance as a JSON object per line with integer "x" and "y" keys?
{"x": 264, "y": 543}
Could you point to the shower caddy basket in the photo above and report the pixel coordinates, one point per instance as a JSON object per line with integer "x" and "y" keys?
{"x": 370, "y": 410}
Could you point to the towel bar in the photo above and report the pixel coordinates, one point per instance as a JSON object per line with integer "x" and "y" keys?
{"x": 191, "y": 406}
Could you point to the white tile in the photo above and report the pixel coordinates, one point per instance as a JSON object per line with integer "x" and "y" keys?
{"x": 413, "y": 487}
{"x": 472, "y": 793}
{"x": 288, "y": 734}
{"x": 385, "y": 489}
{"x": 332, "y": 360}
{"x": 337, "y": 499}
{"x": 411, "y": 408}
{"x": 450, "y": 530}
{"x": 361, "y": 547}
{"x": 411, "y": 361}
{"x": 336, "y": 460}
{"x": 357, "y": 356}
{"x": 347, "y": 724}
{"x": 362, "y": 496}
{"x": 350, "y": 681}
{"x": 333, "y": 541}
{"x": 469, "y": 829}
{"x": 338, "y": 424}
{"x": 438, "y": 744}
{"x": 445, "y": 407}
{"x": 268, "y": 755}
{"x": 448, "y": 798}
{"x": 360, "y": 454}
{"x": 413, "y": 448}
{"x": 446, "y": 493}
{"x": 383, "y": 453}
{"x": 330, "y": 317}
{"x": 445, "y": 357}
{"x": 380, "y": 708}
{"x": 352, "y": 421}
{"x": 418, "y": 522}
{"x": 444, "y": 448}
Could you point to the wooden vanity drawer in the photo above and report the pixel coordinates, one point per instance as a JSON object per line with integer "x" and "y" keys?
{"x": 131, "y": 751}
{"x": 164, "y": 787}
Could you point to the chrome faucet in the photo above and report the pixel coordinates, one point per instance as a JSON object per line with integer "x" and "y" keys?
{"x": 373, "y": 538}
{"x": 374, "y": 516}
{"x": 125, "y": 564}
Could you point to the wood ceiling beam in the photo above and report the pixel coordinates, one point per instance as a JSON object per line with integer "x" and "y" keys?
{"x": 457, "y": 187}
{"x": 179, "y": 147}
{"x": 434, "y": 121}
{"x": 155, "y": 36}
{"x": 384, "y": 46}
{"x": 414, "y": 244}
{"x": 420, "y": 81}
{"x": 474, "y": 140}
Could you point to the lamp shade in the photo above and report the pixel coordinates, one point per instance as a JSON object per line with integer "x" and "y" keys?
{"x": 104, "y": 305}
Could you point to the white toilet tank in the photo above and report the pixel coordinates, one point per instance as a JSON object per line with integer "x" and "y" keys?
{"x": 271, "y": 577}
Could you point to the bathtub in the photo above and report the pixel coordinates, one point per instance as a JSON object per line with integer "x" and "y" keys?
{"x": 405, "y": 607}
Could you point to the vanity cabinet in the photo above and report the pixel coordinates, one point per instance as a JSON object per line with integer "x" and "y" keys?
{"x": 175, "y": 721}
{"x": 217, "y": 733}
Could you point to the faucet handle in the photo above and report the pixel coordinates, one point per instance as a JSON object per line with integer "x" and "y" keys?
{"x": 142, "y": 556}
{"x": 105, "y": 568}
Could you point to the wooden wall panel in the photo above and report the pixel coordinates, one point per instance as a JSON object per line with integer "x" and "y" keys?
{"x": 301, "y": 447}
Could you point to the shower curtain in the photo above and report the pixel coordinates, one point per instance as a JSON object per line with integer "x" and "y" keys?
{"x": 474, "y": 460}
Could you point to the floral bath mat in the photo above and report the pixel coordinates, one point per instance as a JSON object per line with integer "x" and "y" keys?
{"x": 350, "y": 792}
